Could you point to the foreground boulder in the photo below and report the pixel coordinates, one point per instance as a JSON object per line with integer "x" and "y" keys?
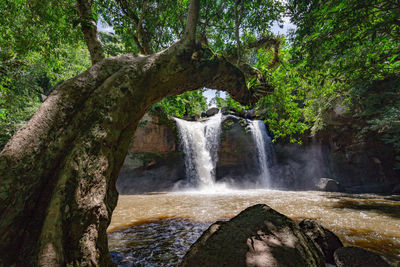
{"x": 258, "y": 236}
{"x": 358, "y": 257}
{"x": 328, "y": 185}
{"x": 327, "y": 241}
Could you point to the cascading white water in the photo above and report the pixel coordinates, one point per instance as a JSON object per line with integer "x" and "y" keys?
{"x": 264, "y": 149}
{"x": 200, "y": 142}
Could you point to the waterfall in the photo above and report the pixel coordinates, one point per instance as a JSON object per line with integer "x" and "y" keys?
{"x": 200, "y": 143}
{"x": 264, "y": 150}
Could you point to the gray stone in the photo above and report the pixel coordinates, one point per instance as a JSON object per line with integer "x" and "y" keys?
{"x": 326, "y": 240}
{"x": 358, "y": 257}
{"x": 237, "y": 158}
{"x": 258, "y": 236}
{"x": 396, "y": 189}
{"x": 328, "y": 185}
{"x": 251, "y": 114}
{"x": 212, "y": 112}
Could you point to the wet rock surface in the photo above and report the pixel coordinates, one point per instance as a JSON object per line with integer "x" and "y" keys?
{"x": 154, "y": 162}
{"x": 258, "y": 236}
{"x": 212, "y": 112}
{"x": 326, "y": 240}
{"x": 237, "y": 159}
{"x": 154, "y": 135}
{"x": 358, "y": 257}
{"x": 150, "y": 172}
{"x": 328, "y": 185}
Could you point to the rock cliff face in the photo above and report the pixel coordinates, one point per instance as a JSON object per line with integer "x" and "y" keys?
{"x": 363, "y": 163}
{"x": 154, "y": 136}
{"x": 237, "y": 160}
{"x": 155, "y": 162}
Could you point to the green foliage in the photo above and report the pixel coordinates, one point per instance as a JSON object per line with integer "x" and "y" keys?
{"x": 161, "y": 22}
{"x": 40, "y": 26}
{"x": 342, "y": 54}
{"x": 284, "y": 108}
{"x": 40, "y": 46}
{"x": 348, "y": 53}
{"x": 217, "y": 21}
{"x": 227, "y": 102}
{"x": 187, "y": 104}
{"x": 379, "y": 105}
{"x": 112, "y": 44}
{"x": 25, "y": 80}
{"x": 157, "y": 24}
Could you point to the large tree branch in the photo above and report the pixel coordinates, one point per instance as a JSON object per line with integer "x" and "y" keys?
{"x": 89, "y": 30}
{"x": 139, "y": 46}
{"x": 191, "y": 21}
{"x": 260, "y": 86}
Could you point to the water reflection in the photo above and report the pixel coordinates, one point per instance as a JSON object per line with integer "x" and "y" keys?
{"x": 365, "y": 220}
{"x": 159, "y": 242}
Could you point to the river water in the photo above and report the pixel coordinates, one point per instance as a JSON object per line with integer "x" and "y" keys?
{"x": 157, "y": 229}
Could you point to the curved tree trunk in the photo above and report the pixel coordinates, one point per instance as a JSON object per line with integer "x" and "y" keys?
{"x": 58, "y": 173}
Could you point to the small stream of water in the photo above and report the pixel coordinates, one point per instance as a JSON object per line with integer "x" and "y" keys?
{"x": 264, "y": 150}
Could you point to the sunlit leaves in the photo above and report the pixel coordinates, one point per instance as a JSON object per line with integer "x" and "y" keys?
{"x": 24, "y": 79}
{"x": 37, "y": 25}
{"x": 187, "y": 104}
{"x": 354, "y": 45}
{"x": 284, "y": 108}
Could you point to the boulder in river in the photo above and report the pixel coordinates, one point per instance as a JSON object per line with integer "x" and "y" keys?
{"x": 326, "y": 240}
{"x": 328, "y": 185}
{"x": 396, "y": 189}
{"x": 358, "y": 257}
{"x": 212, "y": 111}
{"x": 258, "y": 236}
{"x": 251, "y": 114}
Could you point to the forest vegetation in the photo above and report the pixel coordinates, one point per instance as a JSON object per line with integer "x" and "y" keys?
{"x": 341, "y": 53}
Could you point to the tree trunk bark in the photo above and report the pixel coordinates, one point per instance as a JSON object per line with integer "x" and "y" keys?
{"x": 58, "y": 173}
{"x": 89, "y": 30}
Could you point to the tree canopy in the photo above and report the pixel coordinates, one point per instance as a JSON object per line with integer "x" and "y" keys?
{"x": 348, "y": 55}
{"x": 338, "y": 54}
{"x": 43, "y": 42}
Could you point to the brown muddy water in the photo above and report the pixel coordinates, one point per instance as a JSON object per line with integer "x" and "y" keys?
{"x": 157, "y": 229}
